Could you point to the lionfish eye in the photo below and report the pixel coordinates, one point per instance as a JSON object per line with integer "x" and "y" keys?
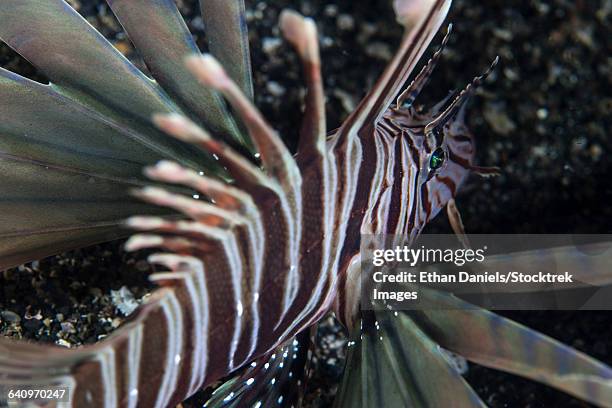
{"x": 437, "y": 159}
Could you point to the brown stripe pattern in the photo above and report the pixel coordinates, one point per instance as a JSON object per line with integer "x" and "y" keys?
{"x": 255, "y": 262}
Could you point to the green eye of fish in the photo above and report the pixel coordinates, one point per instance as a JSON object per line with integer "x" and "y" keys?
{"x": 437, "y": 159}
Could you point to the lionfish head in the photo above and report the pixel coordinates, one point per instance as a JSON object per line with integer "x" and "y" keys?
{"x": 441, "y": 148}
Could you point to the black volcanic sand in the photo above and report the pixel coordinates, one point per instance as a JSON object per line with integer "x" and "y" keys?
{"x": 543, "y": 117}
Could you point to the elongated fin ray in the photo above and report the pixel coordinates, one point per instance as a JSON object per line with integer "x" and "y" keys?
{"x": 302, "y": 34}
{"x": 77, "y": 59}
{"x": 37, "y": 222}
{"x": 66, "y": 132}
{"x": 386, "y": 89}
{"x": 493, "y": 341}
{"x": 222, "y": 194}
{"x": 162, "y": 39}
{"x": 275, "y": 156}
{"x": 183, "y": 129}
{"x": 228, "y": 39}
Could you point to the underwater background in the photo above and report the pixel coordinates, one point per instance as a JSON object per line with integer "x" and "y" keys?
{"x": 543, "y": 116}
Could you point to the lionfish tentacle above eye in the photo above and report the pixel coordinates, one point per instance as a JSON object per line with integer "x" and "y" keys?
{"x": 459, "y": 102}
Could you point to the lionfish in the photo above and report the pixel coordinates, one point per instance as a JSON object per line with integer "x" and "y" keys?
{"x": 270, "y": 241}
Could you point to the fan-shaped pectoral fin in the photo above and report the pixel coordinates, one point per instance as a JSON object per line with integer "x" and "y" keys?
{"x": 494, "y": 341}
{"x": 159, "y": 33}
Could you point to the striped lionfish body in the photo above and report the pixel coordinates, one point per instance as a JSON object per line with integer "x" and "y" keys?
{"x": 260, "y": 259}
{"x": 281, "y": 244}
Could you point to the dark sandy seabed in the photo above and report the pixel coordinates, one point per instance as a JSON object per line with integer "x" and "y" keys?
{"x": 543, "y": 117}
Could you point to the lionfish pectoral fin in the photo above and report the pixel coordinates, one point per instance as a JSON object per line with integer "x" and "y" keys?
{"x": 276, "y": 379}
{"x": 228, "y": 39}
{"x": 454, "y": 217}
{"x": 393, "y": 363}
{"x": 589, "y": 262}
{"x": 159, "y": 33}
{"x": 496, "y": 342}
{"x": 409, "y": 95}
